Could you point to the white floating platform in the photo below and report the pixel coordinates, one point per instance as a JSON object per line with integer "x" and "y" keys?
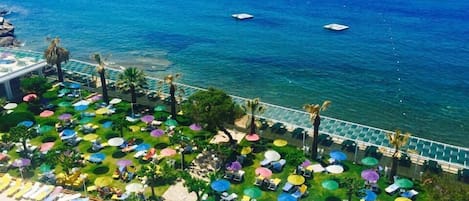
{"x": 242, "y": 16}
{"x": 336, "y": 27}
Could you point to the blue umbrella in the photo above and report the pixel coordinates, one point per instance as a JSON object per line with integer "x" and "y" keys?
{"x": 220, "y": 185}
{"x": 370, "y": 195}
{"x": 81, "y": 107}
{"x": 107, "y": 124}
{"x": 74, "y": 86}
{"x": 97, "y": 157}
{"x": 68, "y": 132}
{"x": 338, "y": 155}
{"x": 143, "y": 146}
{"x": 285, "y": 197}
{"x": 26, "y": 123}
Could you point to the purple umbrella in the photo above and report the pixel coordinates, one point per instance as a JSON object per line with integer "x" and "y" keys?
{"x": 124, "y": 163}
{"x": 65, "y": 116}
{"x": 235, "y": 166}
{"x": 195, "y": 127}
{"x": 157, "y": 133}
{"x": 22, "y": 162}
{"x": 306, "y": 163}
{"x": 370, "y": 175}
{"x": 147, "y": 118}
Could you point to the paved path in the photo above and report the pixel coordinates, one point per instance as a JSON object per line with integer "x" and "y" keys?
{"x": 178, "y": 192}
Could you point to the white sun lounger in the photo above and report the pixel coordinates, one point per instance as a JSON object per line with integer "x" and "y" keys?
{"x": 33, "y": 190}
{"x": 54, "y": 194}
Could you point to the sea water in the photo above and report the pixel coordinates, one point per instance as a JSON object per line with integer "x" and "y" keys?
{"x": 402, "y": 64}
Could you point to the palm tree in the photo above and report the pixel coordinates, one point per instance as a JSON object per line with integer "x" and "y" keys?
{"x": 101, "y": 71}
{"x": 153, "y": 173}
{"x": 132, "y": 79}
{"x": 314, "y": 111}
{"x": 21, "y": 134}
{"x": 198, "y": 186}
{"x": 253, "y": 107}
{"x": 119, "y": 123}
{"x": 170, "y": 80}
{"x": 55, "y": 55}
{"x": 397, "y": 140}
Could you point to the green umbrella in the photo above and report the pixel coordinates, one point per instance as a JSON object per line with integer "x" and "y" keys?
{"x": 404, "y": 183}
{"x": 330, "y": 185}
{"x": 171, "y": 122}
{"x": 86, "y": 120}
{"x": 44, "y": 168}
{"x": 45, "y": 129}
{"x": 253, "y": 192}
{"x": 370, "y": 161}
{"x": 65, "y": 104}
{"x": 160, "y": 108}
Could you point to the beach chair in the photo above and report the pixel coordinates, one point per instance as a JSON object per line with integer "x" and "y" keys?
{"x": 238, "y": 176}
{"x": 5, "y": 182}
{"x": 69, "y": 197}
{"x": 278, "y": 165}
{"x": 300, "y": 192}
{"x": 55, "y": 194}
{"x": 287, "y": 187}
{"x": 259, "y": 180}
{"x": 246, "y": 198}
{"x": 140, "y": 154}
{"x": 228, "y": 175}
{"x": 149, "y": 154}
{"x": 409, "y": 194}
{"x": 42, "y": 192}
{"x": 274, "y": 184}
{"x": 265, "y": 163}
{"x": 15, "y": 187}
{"x": 391, "y": 189}
{"x": 230, "y": 197}
{"x": 23, "y": 190}
{"x": 33, "y": 190}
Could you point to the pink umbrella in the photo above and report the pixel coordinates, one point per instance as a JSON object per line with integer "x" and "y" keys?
{"x": 46, "y": 113}
{"x": 195, "y": 127}
{"x": 124, "y": 163}
{"x": 262, "y": 171}
{"x": 252, "y": 137}
{"x": 157, "y": 133}
{"x": 29, "y": 97}
{"x": 306, "y": 163}
{"x": 147, "y": 118}
{"x": 168, "y": 152}
{"x": 65, "y": 116}
{"x": 46, "y": 146}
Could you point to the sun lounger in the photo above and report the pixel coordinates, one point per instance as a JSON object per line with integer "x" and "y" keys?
{"x": 33, "y": 190}
{"x": 231, "y": 197}
{"x": 259, "y": 180}
{"x": 69, "y": 197}
{"x": 246, "y": 198}
{"x": 42, "y": 193}
{"x": 23, "y": 190}
{"x": 300, "y": 192}
{"x": 409, "y": 194}
{"x": 129, "y": 148}
{"x": 140, "y": 154}
{"x": 265, "y": 162}
{"x": 55, "y": 193}
{"x": 238, "y": 176}
{"x": 5, "y": 182}
{"x": 287, "y": 187}
{"x": 122, "y": 197}
{"x": 150, "y": 154}
{"x": 273, "y": 185}
{"x": 392, "y": 188}
{"x": 228, "y": 175}
{"x": 15, "y": 187}
{"x": 278, "y": 165}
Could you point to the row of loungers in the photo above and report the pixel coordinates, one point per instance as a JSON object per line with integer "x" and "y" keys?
{"x": 19, "y": 189}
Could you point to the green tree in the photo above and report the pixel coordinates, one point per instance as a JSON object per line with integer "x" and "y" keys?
{"x": 119, "y": 123}
{"x": 214, "y": 108}
{"x": 253, "y": 108}
{"x": 36, "y": 84}
{"x": 314, "y": 111}
{"x": 63, "y": 155}
{"x": 397, "y": 140}
{"x": 55, "y": 55}
{"x": 102, "y": 75}
{"x": 170, "y": 80}
{"x": 153, "y": 173}
{"x": 198, "y": 186}
{"x": 351, "y": 186}
{"x": 132, "y": 79}
{"x": 21, "y": 134}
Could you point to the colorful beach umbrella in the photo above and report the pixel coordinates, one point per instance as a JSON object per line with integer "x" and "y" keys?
{"x": 10, "y": 106}
{"x": 46, "y": 146}
{"x": 73, "y": 86}
{"x": 286, "y": 197}
{"x": 103, "y": 181}
{"x": 26, "y": 123}
{"x": 338, "y": 155}
{"x": 68, "y": 132}
{"x": 90, "y": 137}
{"x": 81, "y": 108}
{"x": 280, "y": 143}
{"x": 107, "y": 124}
{"x": 45, "y": 129}
{"x": 46, "y": 113}
{"x": 370, "y": 175}
{"x": 160, "y": 108}
{"x": 143, "y": 146}
{"x": 402, "y": 199}
{"x": 335, "y": 169}
{"x": 272, "y": 155}
{"x": 252, "y": 137}
{"x": 168, "y": 152}
{"x": 82, "y": 102}
{"x": 64, "y": 91}
{"x": 253, "y": 192}
{"x": 195, "y": 127}
{"x": 115, "y": 142}
{"x": 404, "y": 183}
{"x": 44, "y": 168}
{"x": 124, "y": 163}
{"x": 115, "y": 101}
{"x": 65, "y": 116}
{"x": 246, "y": 150}
{"x": 306, "y": 163}
{"x": 147, "y": 118}
{"x": 134, "y": 187}
{"x": 330, "y": 185}
{"x": 134, "y": 128}
{"x": 370, "y": 161}
{"x": 29, "y": 97}
{"x": 220, "y": 185}
{"x": 101, "y": 111}
{"x": 296, "y": 179}
{"x": 235, "y": 166}
{"x": 86, "y": 120}
{"x": 21, "y": 162}
{"x": 97, "y": 157}
{"x": 157, "y": 133}
{"x": 65, "y": 104}
{"x": 370, "y": 195}
{"x": 171, "y": 122}
{"x": 264, "y": 172}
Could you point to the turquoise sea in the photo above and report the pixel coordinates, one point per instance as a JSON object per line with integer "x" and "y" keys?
{"x": 402, "y": 64}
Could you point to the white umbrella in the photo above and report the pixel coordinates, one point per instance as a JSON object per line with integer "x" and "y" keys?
{"x": 134, "y": 187}
{"x": 82, "y": 102}
{"x": 335, "y": 169}
{"x": 115, "y": 101}
{"x": 272, "y": 155}
{"x": 10, "y": 106}
{"x": 115, "y": 142}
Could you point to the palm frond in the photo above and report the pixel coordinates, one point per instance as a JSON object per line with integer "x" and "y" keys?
{"x": 325, "y": 105}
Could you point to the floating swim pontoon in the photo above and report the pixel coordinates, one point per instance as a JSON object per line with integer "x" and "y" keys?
{"x": 242, "y": 16}
{"x": 336, "y": 27}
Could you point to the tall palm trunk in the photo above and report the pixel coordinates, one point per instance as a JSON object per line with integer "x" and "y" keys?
{"x": 394, "y": 165}
{"x": 153, "y": 192}
{"x": 172, "y": 91}
{"x": 25, "y": 148}
{"x": 133, "y": 96}
{"x": 227, "y": 133}
{"x": 60, "y": 74}
{"x": 253, "y": 124}
{"x": 314, "y": 146}
{"x": 104, "y": 86}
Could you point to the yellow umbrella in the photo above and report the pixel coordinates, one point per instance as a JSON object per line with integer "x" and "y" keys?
{"x": 102, "y": 181}
{"x": 134, "y": 128}
{"x": 246, "y": 150}
{"x": 102, "y": 110}
{"x": 280, "y": 143}
{"x": 296, "y": 179}
{"x": 402, "y": 199}
{"x": 90, "y": 137}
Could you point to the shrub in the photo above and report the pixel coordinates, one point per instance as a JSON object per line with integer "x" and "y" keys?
{"x": 11, "y": 120}
{"x": 49, "y": 138}
{"x": 161, "y": 116}
{"x": 183, "y": 120}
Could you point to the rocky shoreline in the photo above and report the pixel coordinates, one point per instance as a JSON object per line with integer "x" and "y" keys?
{"x": 7, "y": 31}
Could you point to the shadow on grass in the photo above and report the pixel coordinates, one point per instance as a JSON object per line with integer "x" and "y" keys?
{"x": 333, "y": 198}
{"x": 90, "y": 150}
{"x": 101, "y": 170}
{"x": 49, "y": 139}
{"x": 118, "y": 154}
{"x": 111, "y": 135}
{"x": 161, "y": 145}
{"x": 138, "y": 141}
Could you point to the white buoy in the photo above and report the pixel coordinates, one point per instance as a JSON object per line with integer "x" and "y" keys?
{"x": 242, "y": 16}
{"x": 336, "y": 27}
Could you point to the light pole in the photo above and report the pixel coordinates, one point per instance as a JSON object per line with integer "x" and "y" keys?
{"x": 83, "y": 177}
